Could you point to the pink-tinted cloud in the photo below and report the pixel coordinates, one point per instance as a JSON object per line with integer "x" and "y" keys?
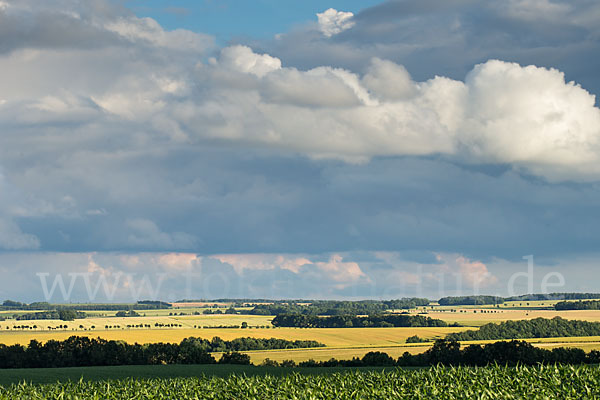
{"x": 472, "y": 272}
{"x": 259, "y": 261}
{"x": 475, "y": 273}
{"x": 177, "y": 261}
{"x": 343, "y": 273}
{"x": 340, "y": 273}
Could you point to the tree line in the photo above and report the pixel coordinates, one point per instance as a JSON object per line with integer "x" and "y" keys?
{"x": 487, "y": 300}
{"x": 78, "y": 351}
{"x": 65, "y": 315}
{"x": 332, "y": 307}
{"x": 350, "y": 321}
{"x": 469, "y": 300}
{"x": 577, "y": 305}
{"x": 534, "y": 328}
{"x": 82, "y": 351}
{"x": 554, "y": 296}
{"x": 8, "y": 305}
{"x": 449, "y": 353}
{"x": 248, "y": 343}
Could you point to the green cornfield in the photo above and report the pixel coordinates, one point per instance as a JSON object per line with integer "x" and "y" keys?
{"x": 542, "y": 382}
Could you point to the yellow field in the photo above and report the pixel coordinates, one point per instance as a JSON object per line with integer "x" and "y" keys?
{"x": 582, "y": 345}
{"x": 332, "y": 337}
{"x": 474, "y": 317}
{"x": 347, "y": 352}
{"x": 341, "y": 343}
{"x": 323, "y": 354}
{"x": 507, "y": 304}
{"x": 188, "y": 321}
{"x": 200, "y": 304}
{"x": 533, "y": 304}
{"x": 320, "y": 354}
{"x": 184, "y": 310}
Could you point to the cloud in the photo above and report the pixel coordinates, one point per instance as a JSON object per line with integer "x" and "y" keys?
{"x": 146, "y": 234}
{"x": 337, "y": 87}
{"x": 71, "y": 24}
{"x": 128, "y": 138}
{"x": 529, "y": 117}
{"x": 503, "y": 113}
{"x": 243, "y": 59}
{"x": 12, "y": 238}
{"x": 335, "y": 270}
{"x": 475, "y": 273}
{"x": 178, "y": 261}
{"x": 534, "y": 9}
{"x": 289, "y": 275}
{"x": 332, "y": 22}
{"x": 111, "y": 276}
{"x": 11, "y": 206}
{"x": 340, "y": 272}
{"x": 389, "y": 81}
{"x": 459, "y": 35}
{"x": 258, "y": 261}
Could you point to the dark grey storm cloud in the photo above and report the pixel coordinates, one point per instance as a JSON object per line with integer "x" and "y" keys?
{"x": 55, "y": 26}
{"x": 211, "y": 200}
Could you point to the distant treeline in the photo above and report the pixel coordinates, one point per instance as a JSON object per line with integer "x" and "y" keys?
{"x": 79, "y": 351}
{"x": 534, "y": 328}
{"x": 44, "y": 306}
{"x": 577, "y": 305}
{"x": 238, "y": 301}
{"x": 152, "y": 304}
{"x": 65, "y": 315}
{"x": 486, "y": 300}
{"x": 445, "y": 352}
{"x": 327, "y": 307}
{"x": 470, "y": 300}
{"x": 554, "y": 296}
{"x": 350, "y": 321}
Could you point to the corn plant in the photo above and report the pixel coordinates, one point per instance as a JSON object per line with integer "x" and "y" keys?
{"x": 541, "y": 382}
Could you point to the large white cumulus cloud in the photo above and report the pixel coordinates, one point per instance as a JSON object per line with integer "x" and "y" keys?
{"x": 525, "y": 116}
{"x": 530, "y": 117}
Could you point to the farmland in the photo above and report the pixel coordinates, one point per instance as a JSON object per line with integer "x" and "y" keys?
{"x": 169, "y": 326}
{"x": 542, "y": 382}
{"x": 186, "y": 381}
{"x": 331, "y": 337}
{"x": 477, "y": 316}
{"x": 52, "y": 375}
{"x": 186, "y": 322}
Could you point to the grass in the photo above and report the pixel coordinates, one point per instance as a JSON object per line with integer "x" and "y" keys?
{"x": 52, "y": 375}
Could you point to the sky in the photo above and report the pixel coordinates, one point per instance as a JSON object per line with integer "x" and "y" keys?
{"x": 230, "y": 20}
{"x": 344, "y": 149}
